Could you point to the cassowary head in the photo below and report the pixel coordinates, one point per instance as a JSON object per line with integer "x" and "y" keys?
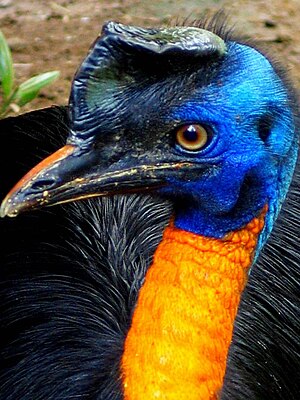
{"x": 180, "y": 111}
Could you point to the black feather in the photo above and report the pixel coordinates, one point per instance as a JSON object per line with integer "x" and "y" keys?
{"x": 69, "y": 279}
{"x": 264, "y": 357}
{"x": 70, "y": 275}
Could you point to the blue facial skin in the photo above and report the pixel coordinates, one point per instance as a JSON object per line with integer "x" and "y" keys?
{"x": 251, "y": 158}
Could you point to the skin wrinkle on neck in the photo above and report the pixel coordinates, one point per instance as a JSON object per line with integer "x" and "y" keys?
{"x": 182, "y": 325}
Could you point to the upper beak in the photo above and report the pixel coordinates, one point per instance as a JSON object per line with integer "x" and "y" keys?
{"x": 73, "y": 173}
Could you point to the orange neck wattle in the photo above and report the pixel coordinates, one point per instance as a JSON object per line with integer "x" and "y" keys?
{"x": 182, "y": 326}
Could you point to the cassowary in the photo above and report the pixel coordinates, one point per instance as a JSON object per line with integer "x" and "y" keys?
{"x": 181, "y": 145}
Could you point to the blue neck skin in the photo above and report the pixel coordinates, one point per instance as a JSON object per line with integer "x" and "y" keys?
{"x": 245, "y": 169}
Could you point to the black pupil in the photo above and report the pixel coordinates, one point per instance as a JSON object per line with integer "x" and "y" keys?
{"x": 190, "y": 134}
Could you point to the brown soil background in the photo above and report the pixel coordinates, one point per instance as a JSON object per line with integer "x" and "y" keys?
{"x": 46, "y": 35}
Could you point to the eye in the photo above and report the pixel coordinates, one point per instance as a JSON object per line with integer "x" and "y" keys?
{"x": 193, "y": 137}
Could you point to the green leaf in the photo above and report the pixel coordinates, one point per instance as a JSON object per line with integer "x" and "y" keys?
{"x": 29, "y": 89}
{"x": 6, "y": 68}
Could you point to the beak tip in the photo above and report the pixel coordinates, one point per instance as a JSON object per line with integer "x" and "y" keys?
{"x": 11, "y": 206}
{"x": 5, "y": 210}
{"x": 8, "y": 209}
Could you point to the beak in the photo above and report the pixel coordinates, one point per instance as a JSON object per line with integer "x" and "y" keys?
{"x": 73, "y": 173}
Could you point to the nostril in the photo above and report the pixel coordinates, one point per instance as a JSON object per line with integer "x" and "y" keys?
{"x": 43, "y": 184}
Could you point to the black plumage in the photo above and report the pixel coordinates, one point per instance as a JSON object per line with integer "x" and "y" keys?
{"x": 264, "y": 358}
{"x": 70, "y": 275}
{"x": 69, "y": 278}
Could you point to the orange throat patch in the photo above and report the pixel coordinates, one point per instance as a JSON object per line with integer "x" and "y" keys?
{"x": 182, "y": 325}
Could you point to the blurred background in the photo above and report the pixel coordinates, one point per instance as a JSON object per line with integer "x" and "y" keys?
{"x": 48, "y": 35}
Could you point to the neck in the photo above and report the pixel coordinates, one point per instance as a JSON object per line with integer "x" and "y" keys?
{"x": 182, "y": 326}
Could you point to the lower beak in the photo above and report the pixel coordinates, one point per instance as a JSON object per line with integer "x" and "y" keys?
{"x": 72, "y": 174}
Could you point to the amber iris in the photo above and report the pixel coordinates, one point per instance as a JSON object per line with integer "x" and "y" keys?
{"x": 192, "y": 137}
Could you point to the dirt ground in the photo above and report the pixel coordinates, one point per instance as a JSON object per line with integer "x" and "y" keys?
{"x": 46, "y": 35}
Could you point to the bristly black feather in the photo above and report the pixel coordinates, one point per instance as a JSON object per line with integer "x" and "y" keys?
{"x": 264, "y": 357}
{"x": 69, "y": 279}
{"x": 66, "y": 303}
{"x": 70, "y": 275}
{"x": 220, "y": 24}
